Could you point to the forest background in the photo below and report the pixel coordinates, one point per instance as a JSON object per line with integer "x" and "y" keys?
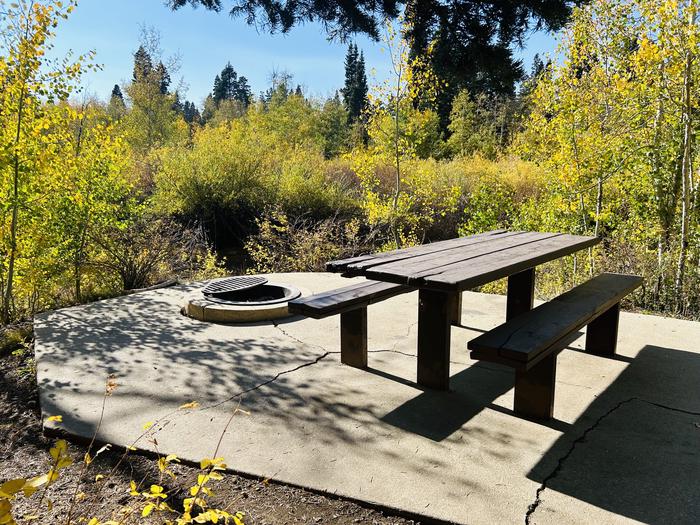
{"x": 102, "y": 197}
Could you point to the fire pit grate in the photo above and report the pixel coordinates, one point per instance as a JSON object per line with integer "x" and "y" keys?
{"x": 241, "y": 299}
{"x": 233, "y": 284}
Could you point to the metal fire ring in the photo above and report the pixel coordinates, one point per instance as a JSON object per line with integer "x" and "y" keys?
{"x": 233, "y": 284}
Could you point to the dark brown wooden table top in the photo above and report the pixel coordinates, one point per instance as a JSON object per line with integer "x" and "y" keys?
{"x": 466, "y": 262}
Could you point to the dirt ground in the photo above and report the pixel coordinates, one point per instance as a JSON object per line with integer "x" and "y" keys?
{"x": 24, "y": 453}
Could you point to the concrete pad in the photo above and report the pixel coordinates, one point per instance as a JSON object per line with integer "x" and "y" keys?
{"x": 623, "y": 446}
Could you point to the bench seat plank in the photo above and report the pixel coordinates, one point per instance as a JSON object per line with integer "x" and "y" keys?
{"x": 519, "y": 341}
{"x": 344, "y": 299}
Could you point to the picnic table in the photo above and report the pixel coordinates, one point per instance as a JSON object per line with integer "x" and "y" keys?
{"x": 442, "y": 270}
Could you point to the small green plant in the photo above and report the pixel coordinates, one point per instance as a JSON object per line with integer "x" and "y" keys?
{"x": 145, "y": 499}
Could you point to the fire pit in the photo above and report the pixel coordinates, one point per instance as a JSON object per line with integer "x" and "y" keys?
{"x": 241, "y": 299}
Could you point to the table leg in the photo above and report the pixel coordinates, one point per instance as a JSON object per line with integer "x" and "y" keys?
{"x": 521, "y": 293}
{"x": 455, "y": 308}
{"x": 434, "y": 323}
{"x": 601, "y": 335}
{"x": 534, "y": 389}
{"x": 353, "y": 338}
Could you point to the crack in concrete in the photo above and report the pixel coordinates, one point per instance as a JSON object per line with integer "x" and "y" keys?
{"x": 325, "y": 354}
{"x": 294, "y": 338}
{"x": 560, "y": 463}
{"x": 271, "y": 380}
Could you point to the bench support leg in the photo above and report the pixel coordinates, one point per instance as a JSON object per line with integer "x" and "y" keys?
{"x": 353, "y": 338}
{"x": 521, "y": 293}
{"x": 601, "y": 336}
{"x": 434, "y": 322}
{"x": 455, "y": 308}
{"x": 534, "y": 389}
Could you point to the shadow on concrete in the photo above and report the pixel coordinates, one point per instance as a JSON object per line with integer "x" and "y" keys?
{"x": 635, "y": 450}
{"x": 169, "y": 359}
{"x": 437, "y": 415}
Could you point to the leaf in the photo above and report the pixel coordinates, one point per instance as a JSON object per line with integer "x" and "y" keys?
{"x": 59, "y": 449}
{"x": 36, "y": 482}
{"x": 148, "y": 425}
{"x": 11, "y": 487}
{"x": 191, "y": 404}
{"x": 147, "y": 509}
{"x": 57, "y": 419}
{"x": 99, "y": 477}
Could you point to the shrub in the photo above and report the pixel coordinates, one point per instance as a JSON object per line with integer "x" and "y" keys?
{"x": 301, "y": 245}
{"x": 151, "y": 249}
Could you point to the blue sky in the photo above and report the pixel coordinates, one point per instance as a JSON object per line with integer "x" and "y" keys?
{"x": 205, "y": 41}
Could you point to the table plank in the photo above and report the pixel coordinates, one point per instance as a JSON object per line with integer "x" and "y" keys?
{"x": 362, "y": 262}
{"x": 433, "y": 263}
{"x": 482, "y": 270}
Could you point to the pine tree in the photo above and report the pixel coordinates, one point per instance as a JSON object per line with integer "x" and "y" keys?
{"x": 537, "y": 66}
{"x": 116, "y": 107}
{"x": 216, "y": 91}
{"x": 355, "y": 89}
{"x": 117, "y": 95}
{"x": 143, "y": 65}
{"x": 243, "y": 92}
{"x": 163, "y": 77}
{"x": 190, "y": 113}
{"x": 229, "y": 86}
{"x": 177, "y": 106}
{"x": 349, "y": 87}
{"x": 361, "y": 87}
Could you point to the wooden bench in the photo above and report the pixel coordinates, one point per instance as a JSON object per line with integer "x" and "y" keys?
{"x": 531, "y": 341}
{"x": 351, "y": 303}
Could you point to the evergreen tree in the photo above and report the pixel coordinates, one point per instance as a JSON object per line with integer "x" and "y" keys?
{"x": 190, "y": 113}
{"x": 243, "y": 93}
{"x": 143, "y": 65}
{"x": 117, "y": 95}
{"x": 178, "y": 106}
{"x": 228, "y": 86}
{"x": 217, "y": 90}
{"x": 355, "y": 89}
{"x": 163, "y": 77}
{"x": 116, "y": 107}
{"x": 537, "y": 66}
{"x": 361, "y": 86}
